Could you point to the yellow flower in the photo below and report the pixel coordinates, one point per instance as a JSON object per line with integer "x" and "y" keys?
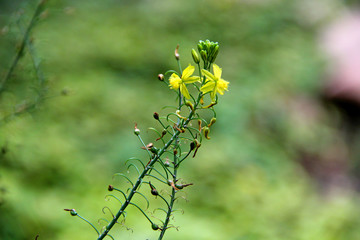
{"x": 214, "y": 83}
{"x": 176, "y": 82}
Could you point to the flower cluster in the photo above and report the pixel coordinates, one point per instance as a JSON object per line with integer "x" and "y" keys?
{"x": 211, "y": 83}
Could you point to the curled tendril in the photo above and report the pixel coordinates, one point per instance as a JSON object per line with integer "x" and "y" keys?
{"x": 107, "y": 197}
{"x": 156, "y": 178}
{"x": 102, "y": 219}
{"x": 111, "y": 237}
{"x": 124, "y": 176}
{"x": 133, "y": 165}
{"x": 106, "y": 207}
{"x": 160, "y": 209}
{"x": 135, "y": 159}
{"x": 158, "y": 172}
{"x": 147, "y": 201}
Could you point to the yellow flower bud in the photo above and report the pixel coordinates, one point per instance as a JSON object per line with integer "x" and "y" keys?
{"x": 195, "y": 56}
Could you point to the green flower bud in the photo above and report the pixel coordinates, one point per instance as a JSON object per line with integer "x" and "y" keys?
{"x": 200, "y": 45}
{"x": 203, "y": 55}
{"x": 214, "y": 55}
{"x": 154, "y": 150}
{"x": 195, "y": 56}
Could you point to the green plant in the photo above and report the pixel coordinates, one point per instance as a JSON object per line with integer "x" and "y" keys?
{"x": 181, "y": 135}
{"x": 25, "y": 104}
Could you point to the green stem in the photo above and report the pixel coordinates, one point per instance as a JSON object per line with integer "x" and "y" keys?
{"x": 24, "y": 41}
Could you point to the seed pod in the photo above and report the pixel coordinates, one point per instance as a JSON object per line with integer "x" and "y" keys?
{"x": 195, "y": 56}
{"x": 72, "y": 211}
{"x": 154, "y": 226}
{"x": 156, "y": 115}
{"x": 192, "y": 145}
{"x": 153, "y": 190}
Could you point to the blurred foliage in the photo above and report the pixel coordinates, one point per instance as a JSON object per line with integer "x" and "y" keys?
{"x": 249, "y": 182}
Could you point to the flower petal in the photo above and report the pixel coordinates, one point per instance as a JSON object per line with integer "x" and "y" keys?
{"x": 217, "y": 71}
{"x": 174, "y": 81}
{"x": 188, "y": 72}
{"x": 208, "y": 87}
{"x": 191, "y": 79}
{"x": 184, "y": 91}
{"x": 208, "y": 74}
{"x": 222, "y": 85}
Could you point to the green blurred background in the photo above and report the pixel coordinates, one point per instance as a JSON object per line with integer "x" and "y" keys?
{"x": 264, "y": 173}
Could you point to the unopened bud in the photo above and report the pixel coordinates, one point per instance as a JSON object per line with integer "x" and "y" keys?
{"x": 216, "y": 51}
{"x": 203, "y": 55}
{"x": 111, "y": 188}
{"x": 156, "y": 115}
{"x": 167, "y": 163}
{"x": 161, "y": 77}
{"x": 195, "y": 56}
{"x": 177, "y": 55}
{"x": 136, "y": 130}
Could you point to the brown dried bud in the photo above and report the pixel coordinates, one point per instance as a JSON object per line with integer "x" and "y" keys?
{"x": 156, "y": 115}
{"x": 177, "y": 55}
{"x": 161, "y": 77}
{"x": 212, "y": 121}
{"x": 207, "y": 132}
{"x": 72, "y": 211}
